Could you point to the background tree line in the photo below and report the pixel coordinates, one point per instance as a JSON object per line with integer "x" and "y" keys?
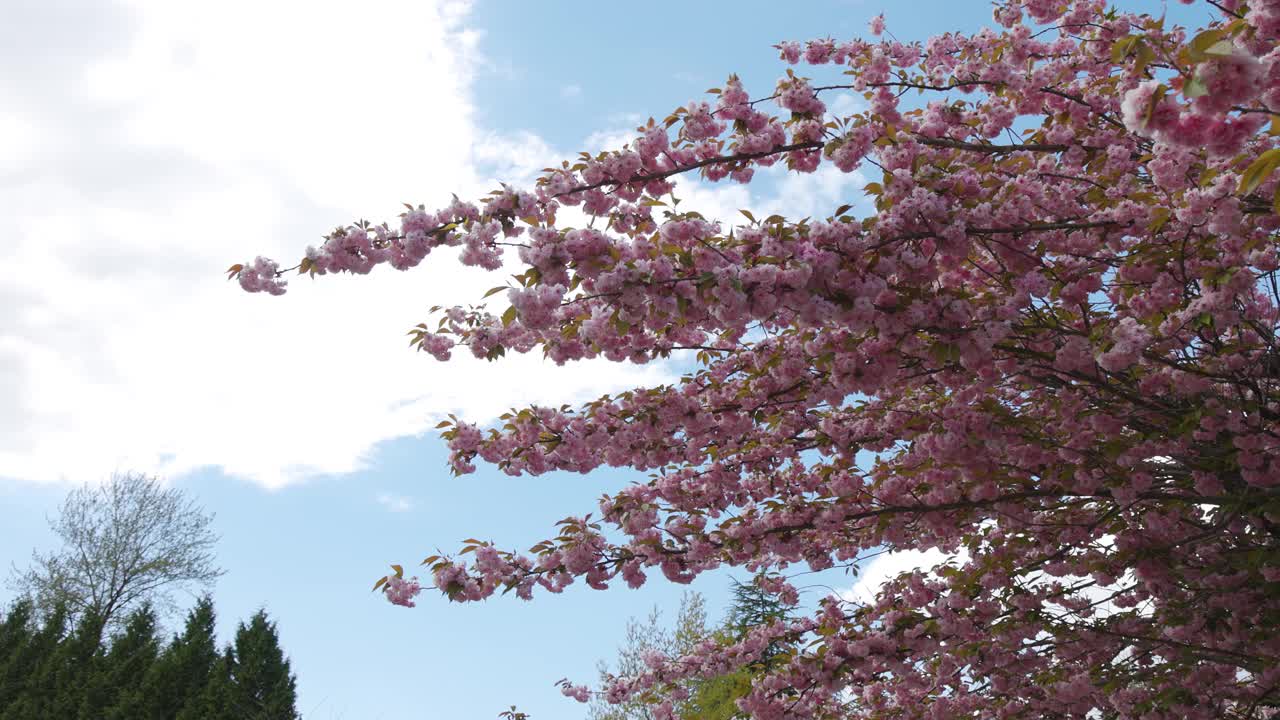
{"x": 52, "y": 668}
{"x": 83, "y": 640}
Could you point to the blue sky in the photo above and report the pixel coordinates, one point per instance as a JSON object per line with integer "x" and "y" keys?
{"x": 145, "y": 146}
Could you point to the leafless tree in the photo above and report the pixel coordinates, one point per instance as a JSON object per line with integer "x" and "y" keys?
{"x": 127, "y": 541}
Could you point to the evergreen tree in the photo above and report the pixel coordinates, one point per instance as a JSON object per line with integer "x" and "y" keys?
{"x": 30, "y": 671}
{"x": 219, "y": 699}
{"x": 16, "y": 631}
{"x": 752, "y": 607}
{"x": 264, "y": 683}
{"x": 75, "y": 661}
{"x": 49, "y": 672}
{"x": 180, "y": 675}
{"x": 115, "y": 688}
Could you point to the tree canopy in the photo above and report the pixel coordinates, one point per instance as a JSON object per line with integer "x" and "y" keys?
{"x": 1047, "y": 347}
{"x": 126, "y": 543}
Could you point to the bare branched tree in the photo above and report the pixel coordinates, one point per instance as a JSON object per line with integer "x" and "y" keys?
{"x": 128, "y": 541}
{"x": 644, "y": 637}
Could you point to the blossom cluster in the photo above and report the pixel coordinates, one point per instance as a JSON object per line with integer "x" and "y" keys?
{"x": 401, "y": 591}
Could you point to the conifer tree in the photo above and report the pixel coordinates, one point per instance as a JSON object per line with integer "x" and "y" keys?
{"x": 31, "y": 670}
{"x": 183, "y": 670}
{"x": 16, "y": 635}
{"x": 64, "y": 677}
{"x": 264, "y": 684}
{"x": 219, "y": 699}
{"x": 48, "y": 670}
{"x": 115, "y": 686}
{"x": 752, "y": 607}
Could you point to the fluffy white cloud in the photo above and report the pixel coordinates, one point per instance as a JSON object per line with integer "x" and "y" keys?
{"x": 147, "y": 145}
{"x": 889, "y": 565}
{"x": 161, "y": 142}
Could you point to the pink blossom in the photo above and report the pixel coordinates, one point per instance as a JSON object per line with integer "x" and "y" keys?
{"x": 876, "y": 25}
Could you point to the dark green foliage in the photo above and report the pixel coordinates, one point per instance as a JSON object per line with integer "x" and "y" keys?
{"x": 114, "y": 687}
{"x": 31, "y": 670}
{"x": 752, "y": 607}
{"x": 260, "y": 671}
{"x": 219, "y": 699}
{"x": 48, "y": 670}
{"x": 72, "y": 664}
{"x": 183, "y": 670}
{"x": 16, "y": 635}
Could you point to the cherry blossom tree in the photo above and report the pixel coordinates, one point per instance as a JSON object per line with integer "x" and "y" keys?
{"x": 1048, "y": 349}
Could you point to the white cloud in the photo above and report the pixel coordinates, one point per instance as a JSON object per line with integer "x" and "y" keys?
{"x": 816, "y": 194}
{"x": 571, "y": 92}
{"x": 888, "y": 566}
{"x": 394, "y": 503}
{"x": 620, "y": 132}
{"x": 169, "y": 140}
{"x": 515, "y": 159}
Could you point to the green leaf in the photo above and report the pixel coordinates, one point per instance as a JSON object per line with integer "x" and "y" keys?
{"x": 379, "y": 584}
{"x": 1145, "y": 57}
{"x": 399, "y": 570}
{"x": 1202, "y": 42}
{"x": 509, "y": 316}
{"x": 1122, "y": 47}
{"x": 748, "y": 215}
{"x": 1157, "y": 97}
{"x": 1259, "y": 171}
{"x": 1159, "y": 217}
{"x": 496, "y": 290}
{"x": 1194, "y": 88}
{"x": 1222, "y": 48}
